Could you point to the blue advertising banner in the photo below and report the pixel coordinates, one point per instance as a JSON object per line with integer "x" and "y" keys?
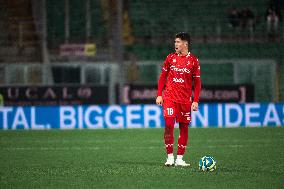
{"x": 137, "y": 116}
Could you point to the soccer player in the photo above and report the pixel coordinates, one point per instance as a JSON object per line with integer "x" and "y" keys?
{"x": 180, "y": 71}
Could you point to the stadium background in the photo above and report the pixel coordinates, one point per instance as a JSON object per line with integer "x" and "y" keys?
{"x": 32, "y": 43}
{"x": 73, "y": 64}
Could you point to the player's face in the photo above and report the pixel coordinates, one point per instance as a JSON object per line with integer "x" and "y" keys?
{"x": 180, "y": 45}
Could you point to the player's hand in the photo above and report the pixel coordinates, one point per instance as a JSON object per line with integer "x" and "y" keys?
{"x": 194, "y": 106}
{"x": 159, "y": 100}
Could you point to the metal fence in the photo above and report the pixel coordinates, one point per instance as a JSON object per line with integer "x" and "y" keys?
{"x": 261, "y": 73}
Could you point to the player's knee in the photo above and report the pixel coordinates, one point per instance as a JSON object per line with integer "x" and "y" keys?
{"x": 169, "y": 121}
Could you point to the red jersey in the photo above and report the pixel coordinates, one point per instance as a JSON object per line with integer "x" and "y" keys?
{"x": 178, "y": 74}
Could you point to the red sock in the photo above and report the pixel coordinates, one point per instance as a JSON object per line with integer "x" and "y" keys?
{"x": 169, "y": 134}
{"x": 183, "y": 138}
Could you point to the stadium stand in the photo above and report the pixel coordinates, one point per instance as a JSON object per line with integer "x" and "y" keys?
{"x": 55, "y": 22}
{"x": 56, "y": 18}
{"x": 19, "y": 39}
{"x": 206, "y": 21}
{"x": 153, "y": 24}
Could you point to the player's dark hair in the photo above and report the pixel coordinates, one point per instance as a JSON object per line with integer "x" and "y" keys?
{"x": 183, "y": 36}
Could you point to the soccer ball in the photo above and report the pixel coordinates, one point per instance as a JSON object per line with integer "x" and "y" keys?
{"x": 207, "y": 163}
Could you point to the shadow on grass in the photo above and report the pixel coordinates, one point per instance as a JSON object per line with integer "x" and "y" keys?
{"x": 159, "y": 165}
{"x": 155, "y": 164}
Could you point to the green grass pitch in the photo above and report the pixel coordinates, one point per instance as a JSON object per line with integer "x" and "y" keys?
{"x": 133, "y": 158}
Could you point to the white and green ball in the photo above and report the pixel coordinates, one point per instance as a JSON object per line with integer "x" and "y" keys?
{"x": 207, "y": 163}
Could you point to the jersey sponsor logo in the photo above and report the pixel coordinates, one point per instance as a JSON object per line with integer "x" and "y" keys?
{"x": 180, "y": 80}
{"x": 182, "y": 70}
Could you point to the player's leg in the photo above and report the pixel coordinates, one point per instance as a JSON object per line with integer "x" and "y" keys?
{"x": 182, "y": 144}
{"x": 169, "y": 116}
{"x": 169, "y": 140}
{"x": 183, "y": 138}
{"x": 184, "y": 120}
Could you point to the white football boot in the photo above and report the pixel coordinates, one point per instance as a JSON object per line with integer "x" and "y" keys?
{"x": 170, "y": 160}
{"x": 181, "y": 162}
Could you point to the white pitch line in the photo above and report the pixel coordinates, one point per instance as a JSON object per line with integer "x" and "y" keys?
{"x": 77, "y": 148}
{"x": 149, "y": 141}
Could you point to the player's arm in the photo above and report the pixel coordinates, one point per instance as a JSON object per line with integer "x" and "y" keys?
{"x": 197, "y": 85}
{"x": 162, "y": 81}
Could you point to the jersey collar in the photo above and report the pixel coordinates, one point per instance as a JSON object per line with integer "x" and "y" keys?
{"x": 188, "y": 54}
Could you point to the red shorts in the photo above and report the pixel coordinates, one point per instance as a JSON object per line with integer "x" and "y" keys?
{"x": 177, "y": 110}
